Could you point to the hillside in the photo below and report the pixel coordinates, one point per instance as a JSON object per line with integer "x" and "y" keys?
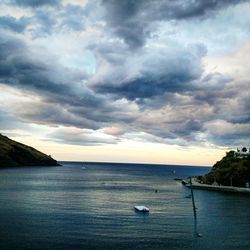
{"x": 230, "y": 170}
{"x": 13, "y": 153}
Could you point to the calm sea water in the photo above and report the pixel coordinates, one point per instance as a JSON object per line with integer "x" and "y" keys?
{"x": 91, "y": 207}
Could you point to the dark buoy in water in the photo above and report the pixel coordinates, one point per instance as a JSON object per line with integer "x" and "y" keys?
{"x": 196, "y": 233}
{"x": 156, "y": 191}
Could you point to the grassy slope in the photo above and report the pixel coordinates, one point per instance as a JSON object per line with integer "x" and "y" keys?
{"x": 13, "y": 153}
{"x": 230, "y": 169}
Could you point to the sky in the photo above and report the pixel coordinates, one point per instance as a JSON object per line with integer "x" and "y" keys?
{"x": 150, "y": 81}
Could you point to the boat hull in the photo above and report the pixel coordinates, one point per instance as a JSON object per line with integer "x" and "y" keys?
{"x": 142, "y": 209}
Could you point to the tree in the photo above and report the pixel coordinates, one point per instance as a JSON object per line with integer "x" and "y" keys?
{"x": 244, "y": 149}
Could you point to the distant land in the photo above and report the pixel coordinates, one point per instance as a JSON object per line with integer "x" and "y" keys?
{"x": 14, "y": 154}
{"x": 232, "y": 170}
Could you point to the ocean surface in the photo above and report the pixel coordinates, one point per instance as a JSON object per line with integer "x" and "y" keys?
{"x": 91, "y": 206}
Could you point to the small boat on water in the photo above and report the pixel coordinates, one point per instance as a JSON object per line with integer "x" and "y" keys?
{"x": 141, "y": 209}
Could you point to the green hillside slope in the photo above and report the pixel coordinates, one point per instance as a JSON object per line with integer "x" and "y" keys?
{"x": 230, "y": 170}
{"x": 13, "y": 153}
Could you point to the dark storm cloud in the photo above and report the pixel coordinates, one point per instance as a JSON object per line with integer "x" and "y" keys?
{"x": 73, "y": 17}
{"x": 18, "y": 67}
{"x": 188, "y": 127}
{"x": 53, "y": 110}
{"x": 23, "y": 71}
{"x": 228, "y": 97}
{"x": 133, "y": 21}
{"x": 80, "y": 137}
{"x": 158, "y": 91}
{"x": 159, "y": 71}
{"x": 236, "y": 139}
{"x": 64, "y": 100}
{"x": 14, "y": 24}
{"x": 148, "y": 87}
{"x": 49, "y": 21}
{"x": 21, "y": 67}
{"x": 224, "y": 133}
{"x": 175, "y": 120}
{"x": 33, "y": 3}
{"x": 184, "y": 129}
{"x": 47, "y": 113}
{"x": 10, "y": 45}
{"x": 45, "y": 21}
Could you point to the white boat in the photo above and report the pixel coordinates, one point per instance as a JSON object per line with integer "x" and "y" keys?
{"x": 141, "y": 209}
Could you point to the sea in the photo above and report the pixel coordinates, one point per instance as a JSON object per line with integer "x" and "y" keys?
{"x": 91, "y": 206}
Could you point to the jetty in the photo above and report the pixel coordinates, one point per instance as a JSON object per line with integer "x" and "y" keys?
{"x": 213, "y": 187}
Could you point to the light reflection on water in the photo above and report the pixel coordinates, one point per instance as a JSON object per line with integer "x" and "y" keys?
{"x": 92, "y": 208}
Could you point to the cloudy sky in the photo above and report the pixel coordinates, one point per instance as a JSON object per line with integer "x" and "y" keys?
{"x": 126, "y": 80}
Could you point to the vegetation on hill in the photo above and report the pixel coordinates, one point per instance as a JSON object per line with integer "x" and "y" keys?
{"x": 230, "y": 170}
{"x": 13, "y": 153}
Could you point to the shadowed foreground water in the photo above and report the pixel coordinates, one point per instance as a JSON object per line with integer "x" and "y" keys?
{"x": 91, "y": 207}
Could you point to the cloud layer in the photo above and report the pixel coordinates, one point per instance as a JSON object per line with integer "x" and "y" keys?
{"x": 106, "y": 71}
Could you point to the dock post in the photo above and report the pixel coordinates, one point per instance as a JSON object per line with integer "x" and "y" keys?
{"x": 196, "y": 234}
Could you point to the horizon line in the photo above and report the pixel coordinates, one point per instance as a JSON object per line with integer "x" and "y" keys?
{"x": 138, "y": 163}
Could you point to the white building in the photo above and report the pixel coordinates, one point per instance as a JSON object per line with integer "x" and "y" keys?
{"x": 242, "y": 153}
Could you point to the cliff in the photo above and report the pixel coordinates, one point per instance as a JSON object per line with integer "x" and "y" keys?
{"x": 13, "y": 153}
{"x": 230, "y": 171}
